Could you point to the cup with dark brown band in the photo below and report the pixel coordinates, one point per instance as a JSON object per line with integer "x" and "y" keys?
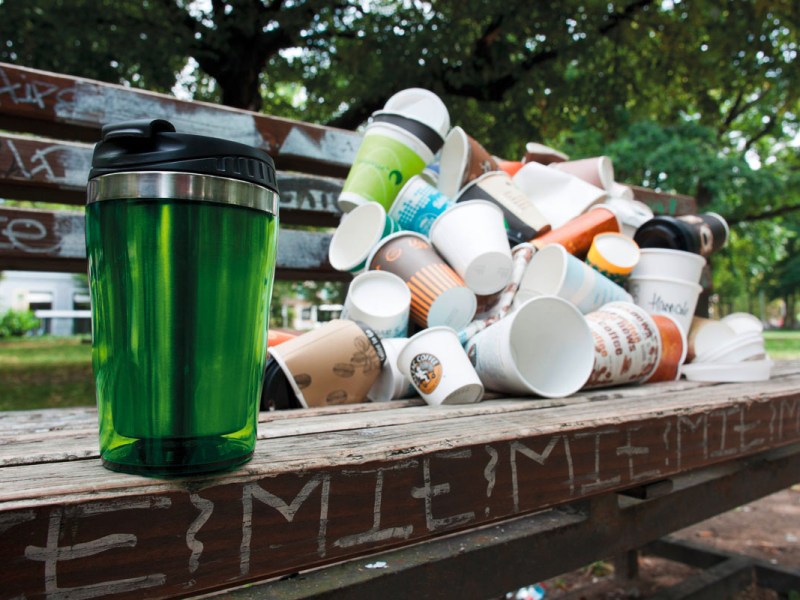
{"x": 702, "y": 234}
{"x": 523, "y": 220}
{"x": 463, "y": 159}
{"x": 438, "y": 295}
{"x": 335, "y": 364}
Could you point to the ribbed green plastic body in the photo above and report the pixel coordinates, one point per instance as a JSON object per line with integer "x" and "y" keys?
{"x": 180, "y": 301}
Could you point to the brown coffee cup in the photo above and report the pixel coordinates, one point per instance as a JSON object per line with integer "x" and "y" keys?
{"x": 577, "y": 234}
{"x": 335, "y": 364}
{"x": 439, "y": 295}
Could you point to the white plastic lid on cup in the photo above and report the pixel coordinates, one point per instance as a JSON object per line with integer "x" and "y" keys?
{"x": 356, "y": 236}
{"x": 421, "y": 105}
{"x": 439, "y": 368}
{"x": 381, "y": 300}
{"x": 743, "y": 347}
{"x": 707, "y": 336}
{"x": 666, "y": 262}
{"x": 742, "y": 322}
{"x": 471, "y": 236}
{"x": 750, "y": 370}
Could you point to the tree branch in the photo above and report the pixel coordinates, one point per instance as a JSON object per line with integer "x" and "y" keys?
{"x": 762, "y": 216}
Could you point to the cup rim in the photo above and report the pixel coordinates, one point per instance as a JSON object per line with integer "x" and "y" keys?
{"x": 421, "y": 334}
{"x": 685, "y": 282}
{"x": 373, "y": 240}
{"x": 692, "y": 256}
{"x": 629, "y": 241}
{"x": 381, "y": 243}
{"x": 564, "y": 260}
{"x": 387, "y": 275}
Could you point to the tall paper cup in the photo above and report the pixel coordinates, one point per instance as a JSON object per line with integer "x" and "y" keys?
{"x": 463, "y": 159}
{"x": 598, "y": 170}
{"x": 381, "y": 300}
{"x": 627, "y": 345}
{"x": 523, "y": 219}
{"x": 577, "y": 234}
{"x": 472, "y": 238}
{"x": 418, "y": 204}
{"x": 664, "y": 296}
{"x": 673, "y": 349}
{"x": 438, "y": 294}
{"x": 397, "y": 145}
{"x": 335, "y": 364}
{"x": 554, "y": 271}
{"x": 357, "y": 235}
{"x": 439, "y": 368}
{"x": 543, "y": 348}
{"x": 391, "y": 383}
{"x": 666, "y": 262}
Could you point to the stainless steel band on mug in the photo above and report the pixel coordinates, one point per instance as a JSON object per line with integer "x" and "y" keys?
{"x": 166, "y": 185}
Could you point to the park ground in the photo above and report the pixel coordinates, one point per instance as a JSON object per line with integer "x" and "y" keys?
{"x": 57, "y": 372}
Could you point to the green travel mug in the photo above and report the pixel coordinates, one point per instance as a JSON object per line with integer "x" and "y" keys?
{"x": 181, "y": 234}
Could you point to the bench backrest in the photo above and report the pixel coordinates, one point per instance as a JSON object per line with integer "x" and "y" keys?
{"x": 49, "y": 123}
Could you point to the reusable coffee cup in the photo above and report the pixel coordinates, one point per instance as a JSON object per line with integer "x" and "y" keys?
{"x": 673, "y": 350}
{"x": 555, "y": 272}
{"x": 543, "y": 348}
{"x": 598, "y": 170}
{"x": 627, "y": 345}
{"x": 356, "y": 236}
{"x": 418, "y": 204}
{"x": 578, "y": 234}
{"x": 701, "y": 234}
{"x": 523, "y": 219}
{"x": 391, "y": 383}
{"x": 614, "y": 255}
{"x": 666, "y": 296}
{"x": 381, "y": 300}
{"x": 181, "y": 235}
{"x": 439, "y": 369}
{"x": 335, "y": 364}
{"x": 398, "y": 143}
{"x": 665, "y": 262}
{"x": 462, "y": 160}
{"x": 472, "y": 239}
{"x": 438, "y": 294}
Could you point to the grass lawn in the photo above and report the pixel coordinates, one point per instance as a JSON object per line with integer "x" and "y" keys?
{"x": 45, "y": 373}
{"x": 57, "y": 371}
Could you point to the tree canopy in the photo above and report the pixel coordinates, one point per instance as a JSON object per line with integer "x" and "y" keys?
{"x": 696, "y": 96}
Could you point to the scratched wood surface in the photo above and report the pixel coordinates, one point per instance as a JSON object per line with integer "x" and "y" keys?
{"x": 331, "y": 484}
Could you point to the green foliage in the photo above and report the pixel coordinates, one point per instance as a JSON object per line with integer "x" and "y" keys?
{"x": 16, "y": 323}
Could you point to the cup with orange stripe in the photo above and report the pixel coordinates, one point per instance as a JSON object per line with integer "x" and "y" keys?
{"x": 438, "y": 295}
{"x": 614, "y": 255}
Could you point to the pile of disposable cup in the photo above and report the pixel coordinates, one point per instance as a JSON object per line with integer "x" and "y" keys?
{"x": 667, "y": 282}
{"x": 728, "y": 350}
{"x": 474, "y": 273}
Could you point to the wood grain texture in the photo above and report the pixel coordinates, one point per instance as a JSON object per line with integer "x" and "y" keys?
{"x": 329, "y": 485}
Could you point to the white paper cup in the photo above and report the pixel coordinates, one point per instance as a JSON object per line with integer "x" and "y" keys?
{"x": 543, "y": 348}
{"x": 598, "y": 170}
{"x": 673, "y": 264}
{"x": 439, "y": 368}
{"x": 472, "y": 239}
{"x": 665, "y": 296}
{"x": 631, "y": 213}
{"x": 421, "y": 105}
{"x": 381, "y": 300}
{"x": 418, "y": 205}
{"x": 356, "y": 236}
{"x": 627, "y": 345}
{"x": 554, "y": 271}
{"x": 391, "y": 383}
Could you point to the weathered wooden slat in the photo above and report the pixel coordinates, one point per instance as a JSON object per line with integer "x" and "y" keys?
{"x": 75, "y": 108}
{"x": 664, "y": 203}
{"x": 312, "y": 498}
{"x": 41, "y": 240}
{"x": 51, "y": 171}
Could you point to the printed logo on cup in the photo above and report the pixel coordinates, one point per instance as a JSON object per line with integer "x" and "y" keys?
{"x": 426, "y": 372}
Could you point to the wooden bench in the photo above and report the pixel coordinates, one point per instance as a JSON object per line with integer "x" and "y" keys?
{"x": 394, "y": 499}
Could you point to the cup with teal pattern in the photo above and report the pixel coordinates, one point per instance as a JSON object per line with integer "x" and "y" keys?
{"x": 418, "y": 205}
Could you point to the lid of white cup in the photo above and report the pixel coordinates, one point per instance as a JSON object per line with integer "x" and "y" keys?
{"x": 421, "y": 105}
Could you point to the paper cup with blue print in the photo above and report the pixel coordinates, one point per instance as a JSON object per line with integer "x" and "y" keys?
{"x": 418, "y": 205}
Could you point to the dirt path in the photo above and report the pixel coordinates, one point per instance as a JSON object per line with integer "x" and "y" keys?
{"x": 768, "y": 529}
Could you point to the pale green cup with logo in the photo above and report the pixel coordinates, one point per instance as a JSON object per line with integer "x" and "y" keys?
{"x": 401, "y": 139}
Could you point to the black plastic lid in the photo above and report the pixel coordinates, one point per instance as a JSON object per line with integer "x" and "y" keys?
{"x": 153, "y": 145}
{"x": 666, "y": 232}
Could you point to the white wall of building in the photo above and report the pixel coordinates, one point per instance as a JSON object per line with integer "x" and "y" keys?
{"x": 21, "y": 289}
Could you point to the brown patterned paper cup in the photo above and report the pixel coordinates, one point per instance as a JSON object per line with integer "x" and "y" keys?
{"x": 335, "y": 364}
{"x": 438, "y": 295}
{"x": 627, "y": 345}
{"x": 463, "y": 159}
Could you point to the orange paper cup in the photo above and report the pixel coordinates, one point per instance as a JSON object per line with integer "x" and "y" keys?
{"x": 673, "y": 349}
